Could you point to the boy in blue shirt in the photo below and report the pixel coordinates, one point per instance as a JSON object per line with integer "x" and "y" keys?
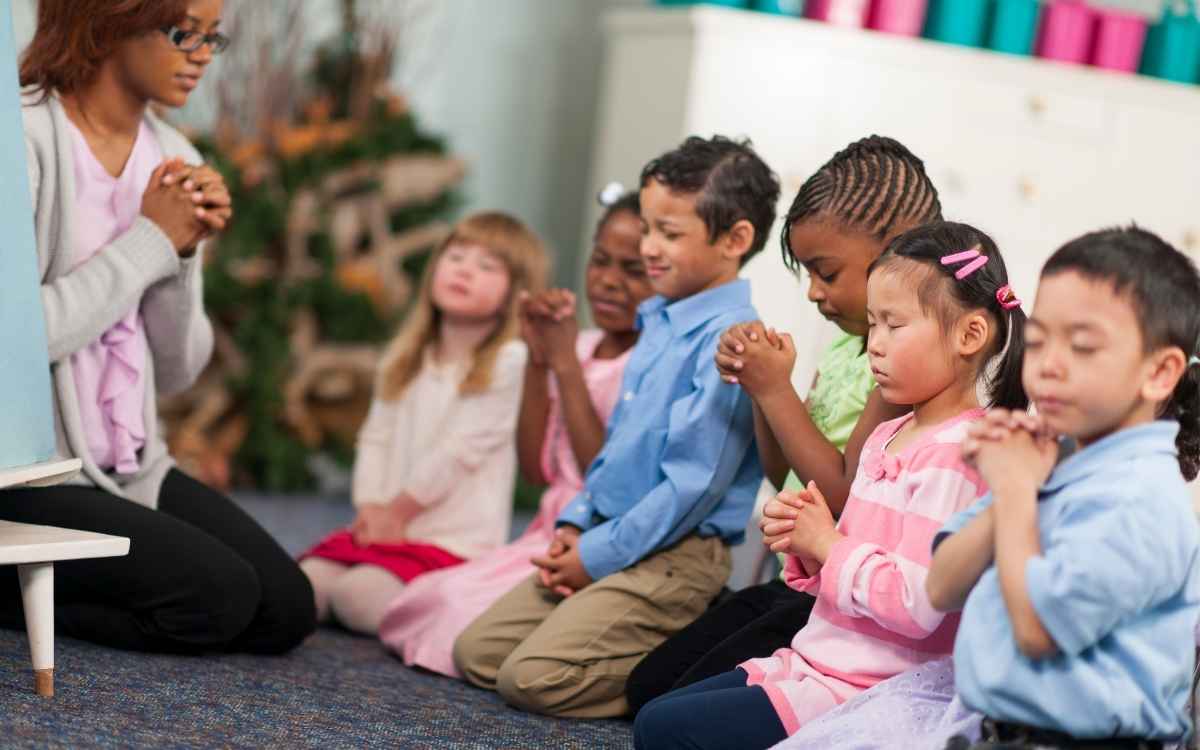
{"x": 1080, "y": 580}
{"x": 644, "y": 548}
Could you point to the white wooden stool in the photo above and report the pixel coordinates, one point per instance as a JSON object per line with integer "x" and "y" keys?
{"x": 34, "y": 550}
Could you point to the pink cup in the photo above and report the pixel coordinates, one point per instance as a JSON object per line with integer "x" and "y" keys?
{"x": 838, "y": 12}
{"x": 904, "y": 17}
{"x": 1119, "y": 40}
{"x": 1066, "y": 32}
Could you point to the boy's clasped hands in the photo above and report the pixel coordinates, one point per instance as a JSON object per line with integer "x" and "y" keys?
{"x": 1012, "y": 450}
{"x": 561, "y": 568}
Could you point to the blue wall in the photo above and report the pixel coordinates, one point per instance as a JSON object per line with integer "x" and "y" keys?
{"x": 26, "y": 426}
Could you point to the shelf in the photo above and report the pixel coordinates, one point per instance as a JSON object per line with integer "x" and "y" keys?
{"x": 773, "y": 34}
{"x": 40, "y": 475}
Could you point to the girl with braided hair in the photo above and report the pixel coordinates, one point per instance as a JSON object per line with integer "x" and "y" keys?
{"x": 839, "y": 223}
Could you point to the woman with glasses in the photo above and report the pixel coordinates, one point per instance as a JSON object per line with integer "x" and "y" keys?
{"x": 122, "y": 206}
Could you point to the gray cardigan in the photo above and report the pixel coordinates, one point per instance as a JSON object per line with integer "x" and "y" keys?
{"x": 138, "y": 268}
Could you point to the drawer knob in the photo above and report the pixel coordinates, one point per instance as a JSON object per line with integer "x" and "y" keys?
{"x": 1027, "y": 188}
{"x": 1191, "y": 240}
{"x": 1037, "y": 105}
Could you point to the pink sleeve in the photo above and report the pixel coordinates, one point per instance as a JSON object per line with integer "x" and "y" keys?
{"x": 797, "y": 577}
{"x": 605, "y": 387}
{"x": 603, "y": 379}
{"x": 864, "y": 579}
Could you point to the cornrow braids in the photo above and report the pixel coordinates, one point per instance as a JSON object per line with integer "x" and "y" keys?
{"x": 874, "y": 185}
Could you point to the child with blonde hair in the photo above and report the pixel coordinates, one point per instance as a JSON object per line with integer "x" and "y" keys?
{"x": 435, "y": 463}
{"x": 572, "y": 383}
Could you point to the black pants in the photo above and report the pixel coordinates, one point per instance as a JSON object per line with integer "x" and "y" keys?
{"x": 719, "y": 712}
{"x": 753, "y": 622}
{"x": 201, "y": 575}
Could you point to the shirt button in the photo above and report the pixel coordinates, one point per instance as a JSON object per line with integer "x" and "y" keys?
{"x": 628, "y": 395}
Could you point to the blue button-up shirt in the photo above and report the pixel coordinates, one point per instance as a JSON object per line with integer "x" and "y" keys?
{"x": 679, "y": 456}
{"x": 1117, "y": 587}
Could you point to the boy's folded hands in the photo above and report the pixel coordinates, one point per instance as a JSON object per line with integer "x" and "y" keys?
{"x": 1007, "y": 446}
{"x": 561, "y": 569}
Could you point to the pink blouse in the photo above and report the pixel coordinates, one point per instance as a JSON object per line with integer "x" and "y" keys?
{"x": 109, "y": 372}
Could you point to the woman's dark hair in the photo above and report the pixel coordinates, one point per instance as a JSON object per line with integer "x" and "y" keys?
{"x": 948, "y": 297}
{"x": 629, "y": 201}
{"x": 733, "y": 183}
{"x": 1164, "y": 288}
{"x": 75, "y": 37}
{"x": 874, "y": 185}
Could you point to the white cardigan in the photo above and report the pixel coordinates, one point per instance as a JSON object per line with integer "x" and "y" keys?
{"x": 454, "y": 454}
{"x": 138, "y": 268}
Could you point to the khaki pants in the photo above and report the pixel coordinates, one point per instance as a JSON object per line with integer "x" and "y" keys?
{"x": 572, "y": 656}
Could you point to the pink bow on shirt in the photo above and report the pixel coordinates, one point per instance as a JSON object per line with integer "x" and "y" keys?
{"x": 879, "y": 465}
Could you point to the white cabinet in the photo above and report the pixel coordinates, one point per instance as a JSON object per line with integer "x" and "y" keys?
{"x": 1030, "y": 151}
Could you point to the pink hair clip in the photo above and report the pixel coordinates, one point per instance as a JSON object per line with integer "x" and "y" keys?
{"x": 978, "y": 261}
{"x": 1007, "y": 297}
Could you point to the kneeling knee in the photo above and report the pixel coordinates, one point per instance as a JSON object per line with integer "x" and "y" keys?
{"x": 652, "y": 727}
{"x": 472, "y": 660}
{"x": 522, "y": 683}
{"x": 225, "y": 605}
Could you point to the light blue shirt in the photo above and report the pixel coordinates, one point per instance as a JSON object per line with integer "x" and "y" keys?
{"x": 679, "y": 455}
{"x": 1117, "y": 587}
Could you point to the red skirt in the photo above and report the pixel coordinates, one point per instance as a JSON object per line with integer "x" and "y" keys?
{"x": 406, "y": 561}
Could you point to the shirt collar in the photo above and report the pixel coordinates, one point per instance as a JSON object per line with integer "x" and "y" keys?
{"x": 689, "y": 313}
{"x": 1157, "y": 437}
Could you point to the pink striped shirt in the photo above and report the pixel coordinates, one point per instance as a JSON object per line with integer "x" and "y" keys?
{"x": 872, "y": 619}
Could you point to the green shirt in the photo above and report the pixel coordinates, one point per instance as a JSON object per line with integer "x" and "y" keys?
{"x": 844, "y": 382}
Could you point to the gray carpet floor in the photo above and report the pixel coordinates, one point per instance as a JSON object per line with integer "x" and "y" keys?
{"x": 336, "y": 691}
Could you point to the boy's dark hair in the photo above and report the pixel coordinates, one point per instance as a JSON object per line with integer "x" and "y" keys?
{"x": 629, "y": 201}
{"x": 874, "y": 185}
{"x": 1164, "y": 288}
{"x": 732, "y": 181}
{"x": 948, "y": 297}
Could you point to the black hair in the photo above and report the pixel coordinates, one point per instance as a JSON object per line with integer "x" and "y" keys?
{"x": 948, "y": 297}
{"x": 629, "y": 201}
{"x": 874, "y": 185}
{"x": 733, "y": 183}
{"x": 1164, "y": 288}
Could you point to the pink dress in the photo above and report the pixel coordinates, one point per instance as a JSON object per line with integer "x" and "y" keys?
{"x": 873, "y": 619}
{"x": 425, "y": 619}
{"x": 109, "y": 382}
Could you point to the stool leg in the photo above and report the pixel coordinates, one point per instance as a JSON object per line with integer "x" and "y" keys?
{"x": 37, "y": 593}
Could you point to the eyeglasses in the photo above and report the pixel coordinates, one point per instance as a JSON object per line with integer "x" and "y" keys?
{"x": 186, "y": 40}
